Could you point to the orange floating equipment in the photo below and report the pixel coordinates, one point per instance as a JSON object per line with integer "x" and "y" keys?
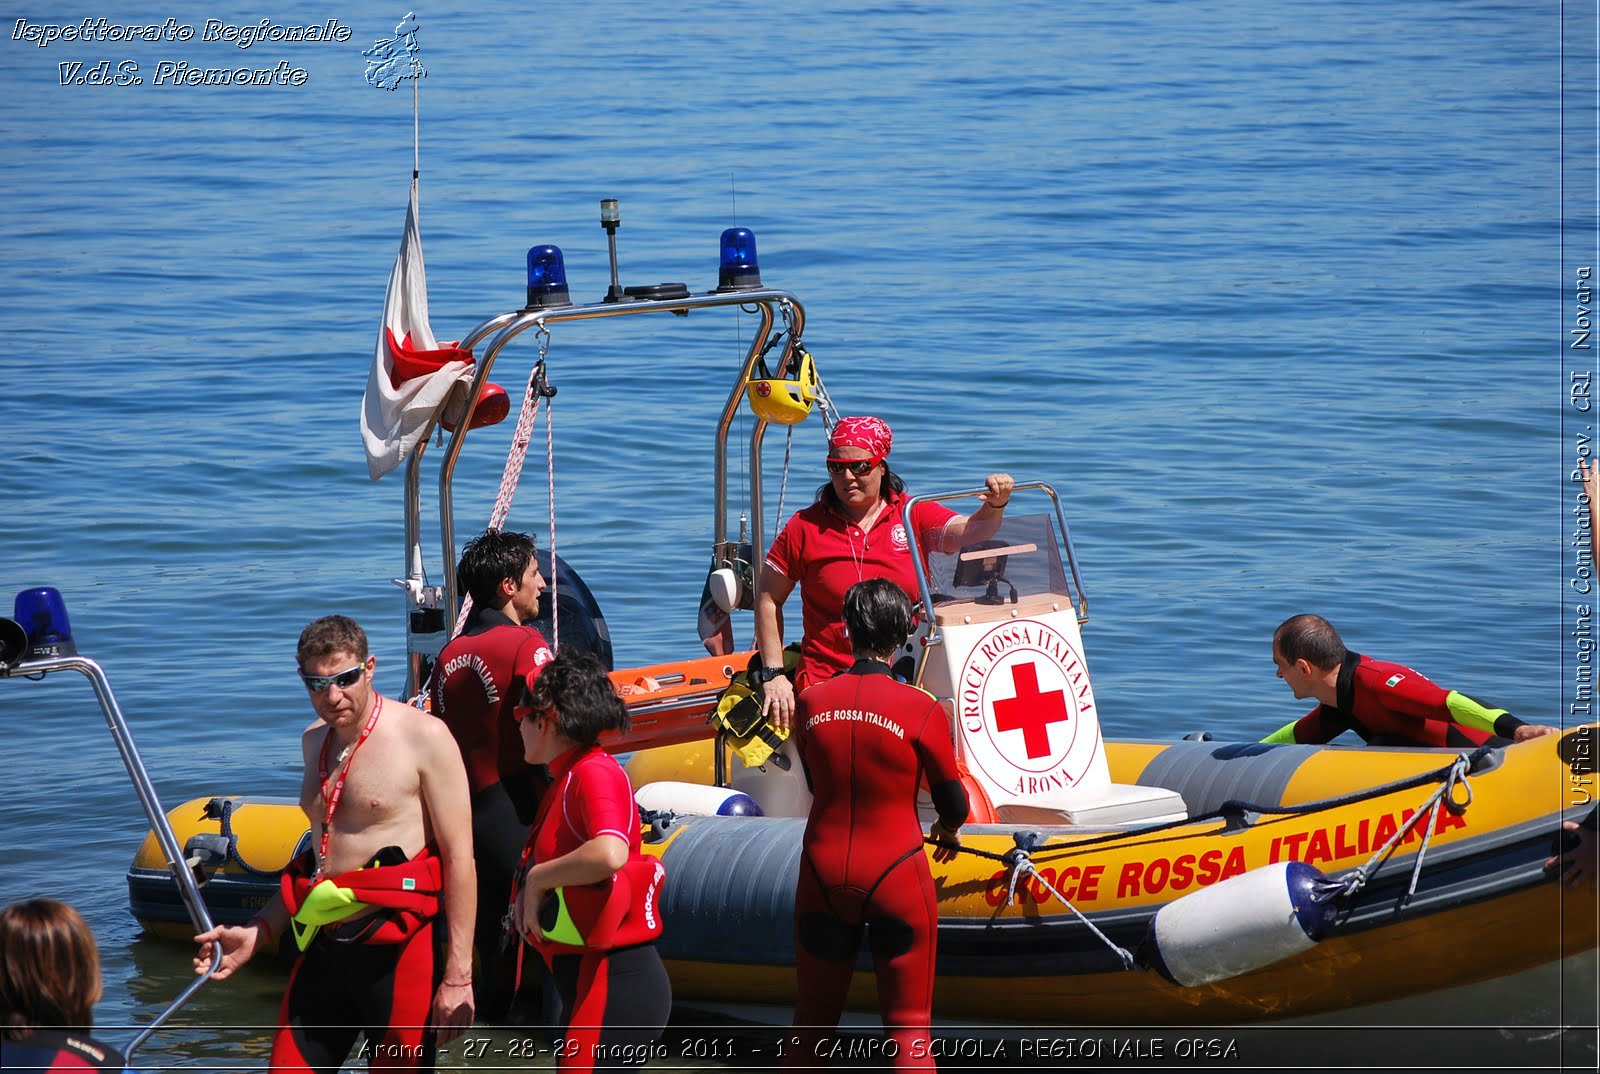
{"x": 410, "y": 363}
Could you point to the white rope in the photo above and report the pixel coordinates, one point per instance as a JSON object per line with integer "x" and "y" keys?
{"x": 1023, "y": 865}
{"x": 830, "y": 416}
{"x": 550, "y": 469}
{"x": 783, "y": 486}
{"x": 512, "y": 473}
{"x": 1444, "y": 795}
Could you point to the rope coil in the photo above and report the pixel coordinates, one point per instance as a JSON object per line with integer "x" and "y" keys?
{"x": 221, "y": 809}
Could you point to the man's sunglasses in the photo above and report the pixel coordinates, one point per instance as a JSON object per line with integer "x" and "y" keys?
{"x": 344, "y": 680}
{"x": 859, "y": 467}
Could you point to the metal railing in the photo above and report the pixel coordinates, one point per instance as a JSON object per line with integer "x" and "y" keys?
{"x": 176, "y": 864}
{"x": 769, "y": 305}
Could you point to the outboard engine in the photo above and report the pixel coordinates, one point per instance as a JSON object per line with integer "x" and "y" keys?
{"x": 582, "y": 626}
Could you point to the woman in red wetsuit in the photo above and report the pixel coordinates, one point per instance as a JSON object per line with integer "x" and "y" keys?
{"x": 582, "y": 851}
{"x": 854, "y": 531}
{"x": 865, "y": 741}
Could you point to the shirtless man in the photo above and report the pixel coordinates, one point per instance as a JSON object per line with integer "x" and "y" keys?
{"x": 386, "y": 793}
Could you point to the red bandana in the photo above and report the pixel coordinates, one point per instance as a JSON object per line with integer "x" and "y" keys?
{"x": 870, "y": 434}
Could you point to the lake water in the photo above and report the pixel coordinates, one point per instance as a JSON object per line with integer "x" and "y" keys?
{"x": 1279, "y": 295}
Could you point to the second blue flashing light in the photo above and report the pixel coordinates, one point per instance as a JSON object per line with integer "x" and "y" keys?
{"x": 739, "y": 269}
{"x": 547, "y": 278}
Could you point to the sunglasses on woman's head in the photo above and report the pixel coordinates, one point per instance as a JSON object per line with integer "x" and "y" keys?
{"x": 527, "y": 711}
{"x": 343, "y": 680}
{"x": 859, "y": 467}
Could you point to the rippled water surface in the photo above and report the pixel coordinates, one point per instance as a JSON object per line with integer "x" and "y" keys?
{"x": 1273, "y": 293}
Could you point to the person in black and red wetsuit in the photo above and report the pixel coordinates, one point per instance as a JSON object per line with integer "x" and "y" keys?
{"x": 582, "y": 854}
{"x": 392, "y": 830}
{"x": 1386, "y": 704}
{"x": 866, "y": 740}
{"x": 478, "y": 679}
{"x": 49, "y": 984}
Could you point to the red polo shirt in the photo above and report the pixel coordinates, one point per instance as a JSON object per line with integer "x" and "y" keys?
{"x": 589, "y": 796}
{"x": 825, "y": 554}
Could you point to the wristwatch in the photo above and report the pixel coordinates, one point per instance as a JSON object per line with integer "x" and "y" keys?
{"x": 763, "y": 675}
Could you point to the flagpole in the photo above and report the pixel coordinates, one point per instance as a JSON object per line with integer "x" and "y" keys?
{"x": 384, "y": 72}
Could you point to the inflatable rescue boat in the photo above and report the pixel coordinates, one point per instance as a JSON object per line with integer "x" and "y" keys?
{"x": 1100, "y": 880}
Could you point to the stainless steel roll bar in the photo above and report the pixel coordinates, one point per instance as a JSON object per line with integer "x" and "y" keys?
{"x": 769, "y": 305}
{"x": 37, "y": 669}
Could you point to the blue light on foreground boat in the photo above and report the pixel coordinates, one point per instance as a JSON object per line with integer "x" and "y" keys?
{"x": 43, "y": 614}
{"x": 547, "y": 278}
{"x": 739, "y": 271}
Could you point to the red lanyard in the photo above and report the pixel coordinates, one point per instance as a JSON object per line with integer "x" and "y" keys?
{"x": 332, "y": 797}
{"x": 550, "y": 796}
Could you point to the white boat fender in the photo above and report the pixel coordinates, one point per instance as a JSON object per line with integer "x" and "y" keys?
{"x": 695, "y": 799}
{"x": 1246, "y": 922}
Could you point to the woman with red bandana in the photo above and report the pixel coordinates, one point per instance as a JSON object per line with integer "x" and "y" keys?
{"x": 854, "y": 531}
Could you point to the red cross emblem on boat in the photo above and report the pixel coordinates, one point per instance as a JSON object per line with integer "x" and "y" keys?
{"x": 1023, "y": 710}
{"x": 1030, "y": 710}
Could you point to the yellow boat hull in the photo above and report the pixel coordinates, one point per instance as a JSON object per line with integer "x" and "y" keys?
{"x": 1484, "y": 906}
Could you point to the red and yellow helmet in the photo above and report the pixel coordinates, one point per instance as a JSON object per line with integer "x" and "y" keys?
{"x": 785, "y": 402}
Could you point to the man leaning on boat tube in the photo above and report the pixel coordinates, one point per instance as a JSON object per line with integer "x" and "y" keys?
{"x": 1386, "y": 704}
{"x": 391, "y": 851}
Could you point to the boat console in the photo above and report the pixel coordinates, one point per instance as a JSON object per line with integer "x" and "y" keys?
{"x": 1004, "y": 653}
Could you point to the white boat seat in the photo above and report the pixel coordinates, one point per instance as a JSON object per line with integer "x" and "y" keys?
{"x": 1114, "y": 804}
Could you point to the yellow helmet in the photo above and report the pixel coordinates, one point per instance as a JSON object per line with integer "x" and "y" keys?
{"x": 785, "y": 402}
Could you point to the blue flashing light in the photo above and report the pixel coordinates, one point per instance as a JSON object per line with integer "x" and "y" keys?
{"x": 547, "y": 278}
{"x": 739, "y": 270}
{"x": 43, "y": 614}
